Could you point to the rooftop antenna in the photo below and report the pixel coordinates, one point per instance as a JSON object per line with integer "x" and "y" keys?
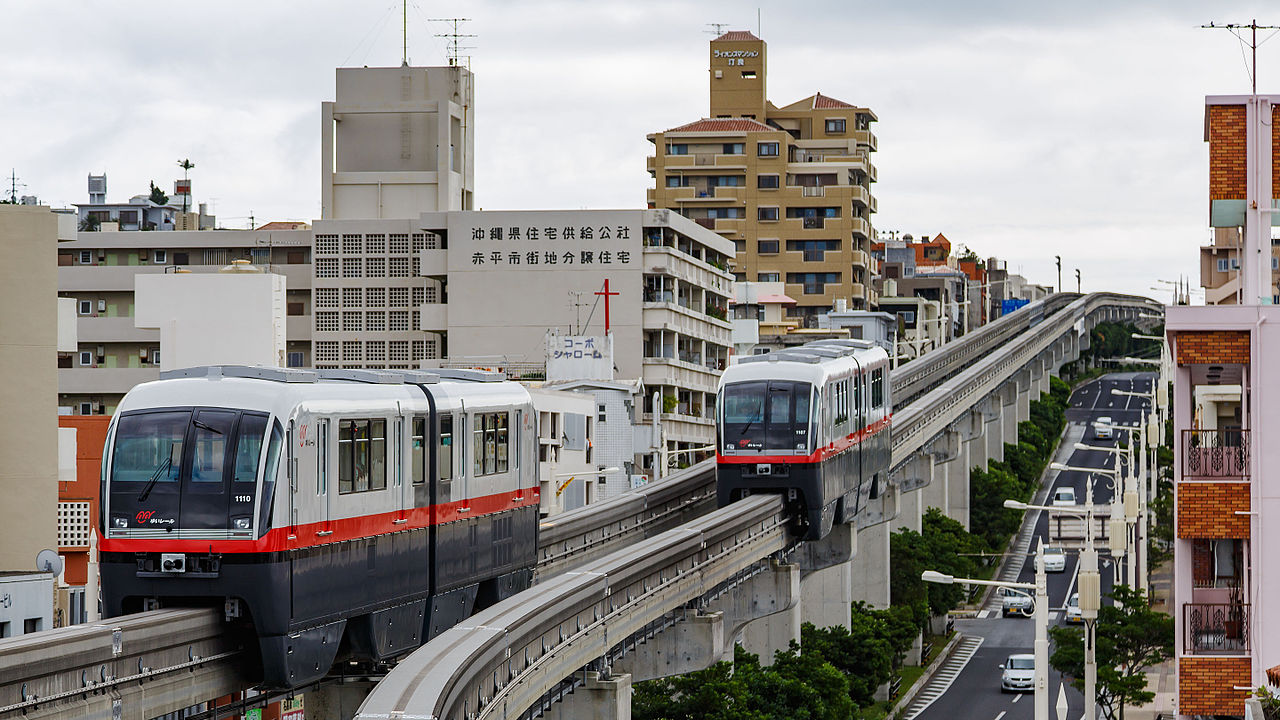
{"x": 404, "y": 33}
{"x": 454, "y": 37}
{"x": 717, "y": 28}
{"x": 1252, "y": 42}
{"x": 14, "y": 185}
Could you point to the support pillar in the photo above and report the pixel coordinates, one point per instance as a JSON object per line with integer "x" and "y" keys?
{"x": 768, "y": 635}
{"x": 912, "y": 511}
{"x": 870, "y": 569}
{"x": 944, "y": 449}
{"x": 1024, "y": 381}
{"x": 991, "y": 410}
{"x": 1008, "y": 395}
{"x": 598, "y": 698}
{"x": 756, "y": 601}
{"x": 336, "y": 701}
{"x": 826, "y": 579}
{"x": 689, "y": 646}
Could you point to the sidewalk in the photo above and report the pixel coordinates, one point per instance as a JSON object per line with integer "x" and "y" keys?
{"x": 1163, "y": 679}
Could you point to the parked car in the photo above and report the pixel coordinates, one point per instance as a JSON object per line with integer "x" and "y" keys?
{"x": 1102, "y": 428}
{"x": 1072, "y": 613}
{"x": 1055, "y": 559}
{"x": 1064, "y": 496}
{"x": 1014, "y": 601}
{"x": 1018, "y": 673}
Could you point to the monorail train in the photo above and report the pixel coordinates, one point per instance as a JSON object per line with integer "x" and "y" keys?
{"x": 335, "y": 514}
{"x": 810, "y": 422}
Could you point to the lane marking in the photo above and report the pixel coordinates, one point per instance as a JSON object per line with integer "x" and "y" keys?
{"x": 1016, "y": 698}
{"x": 1000, "y": 715}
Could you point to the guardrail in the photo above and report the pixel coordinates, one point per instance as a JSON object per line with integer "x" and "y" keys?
{"x": 106, "y": 669}
{"x": 504, "y": 659}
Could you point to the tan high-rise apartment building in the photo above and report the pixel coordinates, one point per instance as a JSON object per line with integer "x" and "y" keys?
{"x": 790, "y": 186}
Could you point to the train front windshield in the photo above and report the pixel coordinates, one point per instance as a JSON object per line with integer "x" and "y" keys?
{"x": 192, "y": 469}
{"x": 766, "y": 415}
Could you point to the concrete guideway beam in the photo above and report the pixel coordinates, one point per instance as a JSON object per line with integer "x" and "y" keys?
{"x": 916, "y": 473}
{"x": 870, "y": 568}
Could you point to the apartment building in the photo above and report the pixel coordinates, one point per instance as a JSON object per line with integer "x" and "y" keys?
{"x": 97, "y": 270}
{"x": 790, "y": 186}
{"x": 1220, "y": 268}
{"x": 1226, "y": 589}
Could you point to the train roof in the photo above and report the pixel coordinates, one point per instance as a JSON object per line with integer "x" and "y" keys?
{"x": 811, "y": 361}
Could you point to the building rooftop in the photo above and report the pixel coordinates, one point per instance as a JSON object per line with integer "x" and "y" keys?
{"x": 736, "y": 36}
{"x": 724, "y": 125}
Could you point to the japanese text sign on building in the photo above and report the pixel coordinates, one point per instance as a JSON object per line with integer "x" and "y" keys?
{"x": 579, "y": 357}
{"x": 527, "y": 245}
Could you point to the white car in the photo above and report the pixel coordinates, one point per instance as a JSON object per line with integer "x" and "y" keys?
{"x": 1102, "y": 428}
{"x": 1055, "y": 559}
{"x": 1072, "y": 613}
{"x": 1013, "y": 601}
{"x": 1064, "y": 496}
{"x": 1018, "y": 673}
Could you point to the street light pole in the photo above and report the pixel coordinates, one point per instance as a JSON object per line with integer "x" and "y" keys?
{"x": 1041, "y": 600}
{"x": 1058, "y": 259}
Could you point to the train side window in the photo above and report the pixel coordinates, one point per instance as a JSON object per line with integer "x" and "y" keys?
{"x": 248, "y": 448}
{"x": 857, "y": 397}
{"x": 491, "y": 443}
{"x": 362, "y": 455}
{"x": 477, "y": 445}
{"x": 502, "y": 438}
{"x": 322, "y": 457}
{"x": 418, "y": 449}
{"x": 444, "y": 453}
{"x": 877, "y": 387}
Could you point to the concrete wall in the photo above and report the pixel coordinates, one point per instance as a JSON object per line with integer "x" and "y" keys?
{"x": 214, "y": 318}
{"x": 28, "y": 361}
{"x": 25, "y": 599}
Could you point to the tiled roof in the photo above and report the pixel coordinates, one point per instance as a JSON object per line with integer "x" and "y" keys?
{"x": 736, "y": 35}
{"x": 822, "y": 102}
{"x": 723, "y": 125}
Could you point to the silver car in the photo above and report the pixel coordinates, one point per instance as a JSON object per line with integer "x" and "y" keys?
{"x": 1014, "y": 601}
{"x": 1072, "y": 613}
{"x": 1055, "y": 559}
{"x": 1018, "y": 673}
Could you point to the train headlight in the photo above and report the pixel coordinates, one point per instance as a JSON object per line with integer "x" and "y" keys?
{"x": 119, "y": 522}
{"x": 242, "y": 523}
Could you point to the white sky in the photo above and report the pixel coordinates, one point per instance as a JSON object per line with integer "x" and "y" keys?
{"x": 1021, "y": 129}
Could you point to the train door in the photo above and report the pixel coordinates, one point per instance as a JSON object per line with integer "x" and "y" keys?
{"x": 324, "y": 473}
{"x": 402, "y": 489}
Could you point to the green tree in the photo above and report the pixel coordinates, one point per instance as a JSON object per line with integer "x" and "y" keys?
{"x": 988, "y": 489}
{"x": 1131, "y": 638}
{"x": 157, "y": 195}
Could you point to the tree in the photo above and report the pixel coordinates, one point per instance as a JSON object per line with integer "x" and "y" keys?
{"x": 186, "y": 166}
{"x": 1130, "y": 639}
{"x": 157, "y": 195}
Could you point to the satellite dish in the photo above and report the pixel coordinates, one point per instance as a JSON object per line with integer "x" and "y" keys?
{"x": 49, "y": 561}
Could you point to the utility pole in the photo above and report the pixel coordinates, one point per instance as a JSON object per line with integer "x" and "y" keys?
{"x": 1253, "y": 27}
{"x": 1058, "y": 259}
{"x": 1077, "y": 280}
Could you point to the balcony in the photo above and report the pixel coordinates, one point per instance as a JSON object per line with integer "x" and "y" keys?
{"x": 1216, "y": 628}
{"x": 1215, "y": 454}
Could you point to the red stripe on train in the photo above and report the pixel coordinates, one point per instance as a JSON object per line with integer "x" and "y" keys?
{"x": 337, "y": 530}
{"x": 831, "y": 450}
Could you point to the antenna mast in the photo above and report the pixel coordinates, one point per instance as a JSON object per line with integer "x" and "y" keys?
{"x": 1253, "y": 43}
{"x": 717, "y": 28}
{"x": 455, "y": 47}
{"x": 404, "y": 33}
{"x": 14, "y": 185}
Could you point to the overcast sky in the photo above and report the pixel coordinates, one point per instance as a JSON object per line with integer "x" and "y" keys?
{"x": 1022, "y": 129}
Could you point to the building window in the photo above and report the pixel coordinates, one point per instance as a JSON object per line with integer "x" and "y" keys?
{"x": 294, "y": 359}
{"x": 160, "y": 256}
{"x": 735, "y": 149}
{"x": 908, "y": 317}
{"x": 155, "y": 356}
{"x": 673, "y": 181}
{"x": 767, "y": 247}
{"x": 181, "y": 258}
{"x": 814, "y": 250}
{"x": 678, "y": 149}
{"x": 767, "y": 182}
{"x": 813, "y": 283}
{"x": 295, "y": 308}
{"x": 86, "y": 257}
{"x": 768, "y": 277}
{"x": 600, "y": 412}
{"x": 86, "y": 357}
{"x": 767, "y": 149}
{"x": 767, "y": 214}
{"x": 835, "y": 126}
{"x": 86, "y": 307}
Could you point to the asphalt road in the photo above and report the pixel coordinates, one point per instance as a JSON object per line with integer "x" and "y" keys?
{"x": 975, "y": 693}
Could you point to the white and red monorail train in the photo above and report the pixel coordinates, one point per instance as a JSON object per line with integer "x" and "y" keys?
{"x": 811, "y": 423}
{"x": 332, "y": 511}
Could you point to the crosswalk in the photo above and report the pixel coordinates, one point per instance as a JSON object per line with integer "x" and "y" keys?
{"x": 946, "y": 674}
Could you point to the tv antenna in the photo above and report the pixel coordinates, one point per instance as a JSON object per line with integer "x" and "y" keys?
{"x": 14, "y": 185}
{"x": 454, "y": 38}
{"x": 718, "y": 28}
{"x": 1253, "y": 27}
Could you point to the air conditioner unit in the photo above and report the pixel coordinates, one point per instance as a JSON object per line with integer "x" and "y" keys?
{"x": 102, "y": 254}
{"x": 102, "y": 306}
{"x": 102, "y": 350}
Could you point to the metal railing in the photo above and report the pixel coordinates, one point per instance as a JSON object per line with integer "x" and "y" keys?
{"x": 1215, "y": 453}
{"x": 1216, "y": 627}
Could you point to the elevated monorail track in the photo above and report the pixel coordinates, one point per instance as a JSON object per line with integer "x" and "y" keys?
{"x": 596, "y": 585}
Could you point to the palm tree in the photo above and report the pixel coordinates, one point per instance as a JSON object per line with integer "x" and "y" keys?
{"x": 186, "y": 166}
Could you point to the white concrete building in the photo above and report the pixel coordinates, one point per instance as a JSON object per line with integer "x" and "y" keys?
{"x": 623, "y": 443}
{"x": 566, "y": 460}
{"x": 26, "y": 602}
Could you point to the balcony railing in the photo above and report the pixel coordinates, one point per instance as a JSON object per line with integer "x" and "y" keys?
{"x": 1215, "y": 454}
{"x": 1216, "y": 627}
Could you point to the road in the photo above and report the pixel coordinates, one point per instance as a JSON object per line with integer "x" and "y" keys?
{"x": 975, "y": 692}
